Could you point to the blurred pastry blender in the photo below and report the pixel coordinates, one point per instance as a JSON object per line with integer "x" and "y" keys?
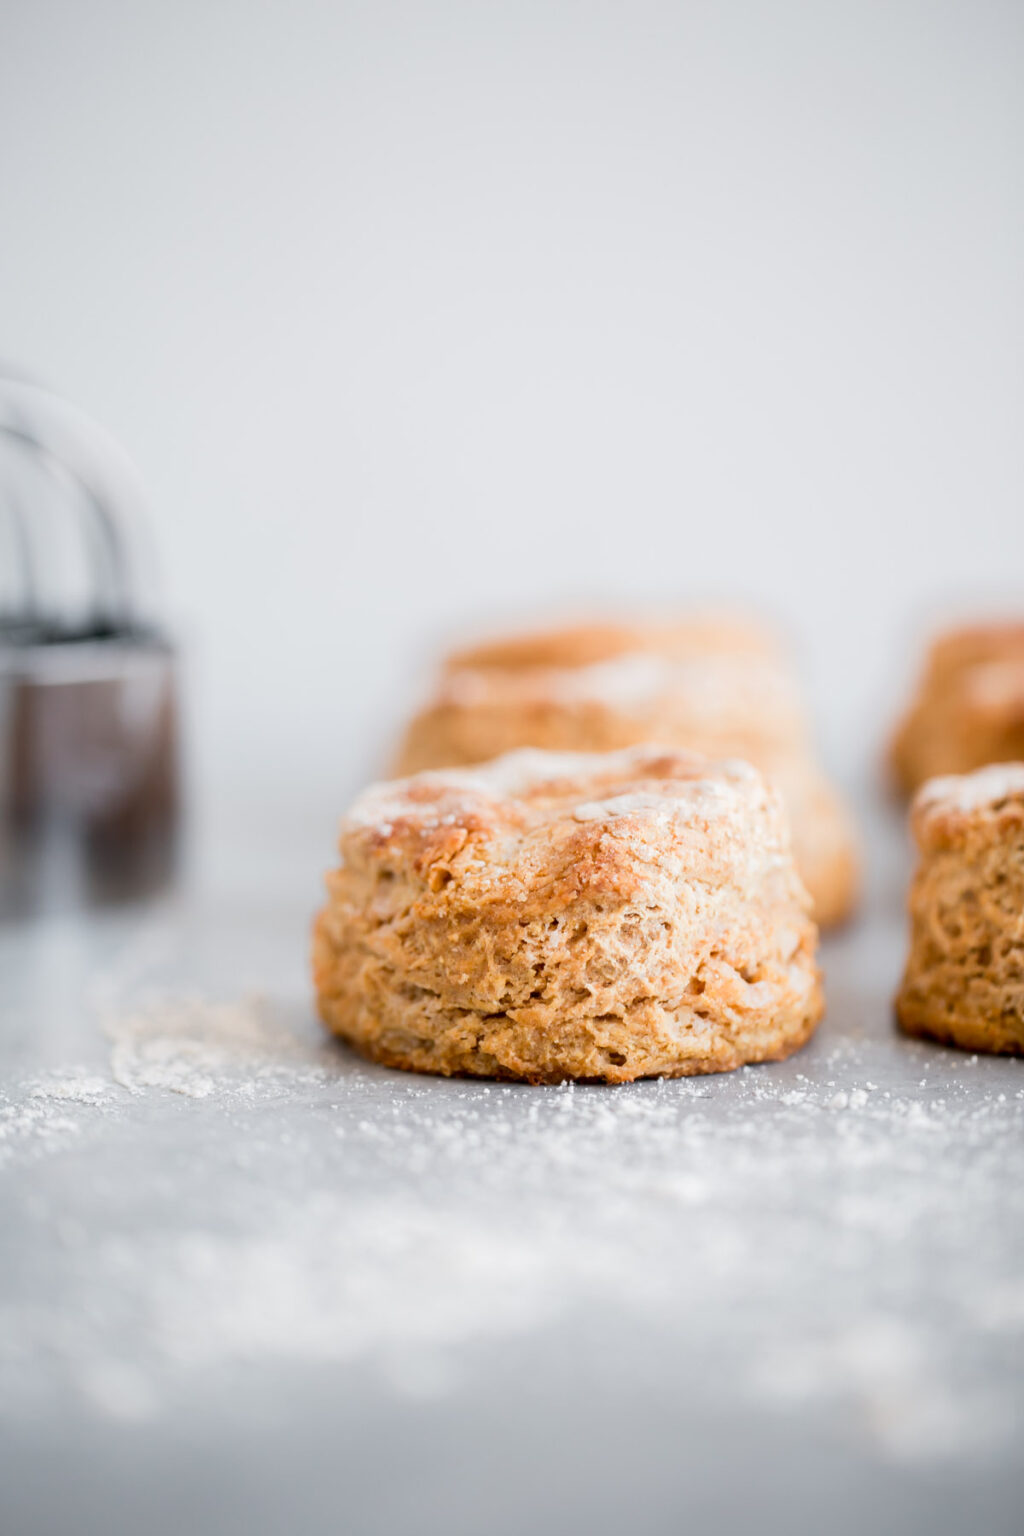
{"x": 89, "y": 749}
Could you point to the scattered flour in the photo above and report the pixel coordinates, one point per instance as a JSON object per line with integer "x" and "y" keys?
{"x": 34, "y": 1114}
{"x": 206, "y": 1049}
{"x": 794, "y": 1240}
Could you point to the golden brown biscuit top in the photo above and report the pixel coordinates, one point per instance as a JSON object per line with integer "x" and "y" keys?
{"x": 617, "y": 821}
{"x": 972, "y": 644}
{"x": 716, "y": 690}
{"x": 945, "y": 807}
{"x": 581, "y": 645}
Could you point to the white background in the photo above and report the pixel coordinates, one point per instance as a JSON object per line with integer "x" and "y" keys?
{"x": 414, "y": 317}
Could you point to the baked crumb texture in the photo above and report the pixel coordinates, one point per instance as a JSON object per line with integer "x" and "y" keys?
{"x": 561, "y": 916}
{"x": 964, "y": 981}
{"x": 714, "y": 685}
{"x": 968, "y": 709}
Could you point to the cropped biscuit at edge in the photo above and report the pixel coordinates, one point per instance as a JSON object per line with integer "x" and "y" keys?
{"x": 964, "y": 979}
{"x": 569, "y": 916}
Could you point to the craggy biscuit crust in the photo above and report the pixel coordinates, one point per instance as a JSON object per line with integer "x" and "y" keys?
{"x": 569, "y": 917}
{"x": 968, "y": 709}
{"x": 964, "y": 980}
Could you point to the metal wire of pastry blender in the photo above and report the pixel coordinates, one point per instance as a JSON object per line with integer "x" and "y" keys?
{"x": 89, "y": 739}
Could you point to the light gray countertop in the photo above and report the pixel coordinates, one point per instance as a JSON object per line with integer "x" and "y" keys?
{"x": 251, "y": 1283}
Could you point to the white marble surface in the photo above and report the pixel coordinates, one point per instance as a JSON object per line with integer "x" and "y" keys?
{"x": 250, "y": 1283}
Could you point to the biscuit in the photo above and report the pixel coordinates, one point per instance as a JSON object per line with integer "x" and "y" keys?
{"x": 711, "y": 686}
{"x": 964, "y": 980}
{"x": 968, "y": 709}
{"x": 550, "y": 917}
{"x": 730, "y": 705}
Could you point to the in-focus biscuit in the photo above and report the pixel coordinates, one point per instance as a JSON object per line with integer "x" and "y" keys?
{"x": 569, "y": 916}
{"x": 964, "y": 980}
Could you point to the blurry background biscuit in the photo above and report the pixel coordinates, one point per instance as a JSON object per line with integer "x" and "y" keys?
{"x": 714, "y": 685}
{"x": 968, "y": 709}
